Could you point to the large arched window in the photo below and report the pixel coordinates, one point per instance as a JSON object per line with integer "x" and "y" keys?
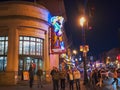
{"x": 3, "y": 52}
{"x": 31, "y": 46}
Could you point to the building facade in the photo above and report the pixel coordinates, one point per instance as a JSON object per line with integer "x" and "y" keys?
{"x": 24, "y": 39}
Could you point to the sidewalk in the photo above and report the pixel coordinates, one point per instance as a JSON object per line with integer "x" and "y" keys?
{"x": 25, "y": 86}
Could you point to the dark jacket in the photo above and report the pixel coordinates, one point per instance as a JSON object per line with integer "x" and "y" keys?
{"x": 56, "y": 75}
{"x": 31, "y": 73}
{"x": 63, "y": 74}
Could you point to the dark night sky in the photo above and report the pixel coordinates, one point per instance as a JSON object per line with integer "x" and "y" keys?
{"x": 105, "y": 24}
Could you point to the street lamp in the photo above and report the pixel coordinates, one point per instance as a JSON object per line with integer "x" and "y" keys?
{"x": 74, "y": 52}
{"x": 84, "y": 49}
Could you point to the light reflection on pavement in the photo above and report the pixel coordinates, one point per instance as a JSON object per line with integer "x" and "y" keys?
{"x": 109, "y": 86}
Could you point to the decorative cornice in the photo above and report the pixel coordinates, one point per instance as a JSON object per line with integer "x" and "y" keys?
{"x": 24, "y": 17}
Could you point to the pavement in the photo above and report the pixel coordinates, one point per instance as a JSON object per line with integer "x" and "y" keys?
{"x": 24, "y": 85}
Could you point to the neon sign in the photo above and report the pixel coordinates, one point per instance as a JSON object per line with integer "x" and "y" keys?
{"x": 57, "y": 33}
{"x": 57, "y": 22}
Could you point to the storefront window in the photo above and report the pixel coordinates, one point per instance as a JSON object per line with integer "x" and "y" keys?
{"x": 3, "y": 63}
{"x": 31, "y": 51}
{"x": 20, "y": 47}
{"x": 3, "y": 52}
{"x": 31, "y": 46}
{"x": 26, "y": 47}
{"x": 38, "y": 48}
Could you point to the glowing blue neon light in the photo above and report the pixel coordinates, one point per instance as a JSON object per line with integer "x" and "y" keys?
{"x": 57, "y": 22}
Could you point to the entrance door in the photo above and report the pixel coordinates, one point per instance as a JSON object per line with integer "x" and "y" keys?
{"x": 24, "y": 64}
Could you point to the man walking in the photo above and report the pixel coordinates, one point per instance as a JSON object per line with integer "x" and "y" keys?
{"x": 39, "y": 77}
{"x": 31, "y": 76}
{"x": 52, "y": 73}
{"x": 63, "y": 75}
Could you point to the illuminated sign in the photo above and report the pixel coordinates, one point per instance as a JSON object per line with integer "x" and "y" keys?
{"x": 57, "y": 22}
{"x": 118, "y": 57}
{"x": 57, "y": 43}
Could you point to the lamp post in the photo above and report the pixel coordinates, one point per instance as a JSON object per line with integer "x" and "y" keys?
{"x": 84, "y": 49}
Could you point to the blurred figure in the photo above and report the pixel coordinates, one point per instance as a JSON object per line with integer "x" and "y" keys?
{"x": 52, "y": 74}
{"x": 92, "y": 79}
{"x": 56, "y": 78}
{"x": 99, "y": 79}
{"x": 95, "y": 76}
{"x": 70, "y": 79}
{"x": 115, "y": 76}
{"x": 39, "y": 77}
{"x": 31, "y": 76}
{"x": 77, "y": 76}
{"x": 63, "y": 75}
{"x": 107, "y": 74}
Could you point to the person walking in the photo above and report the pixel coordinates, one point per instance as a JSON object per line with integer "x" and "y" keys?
{"x": 39, "y": 77}
{"x": 52, "y": 74}
{"x": 31, "y": 76}
{"x": 56, "y": 78}
{"x": 99, "y": 83}
{"x": 92, "y": 80}
{"x": 95, "y": 77}
{"x": 63, "y": 75}
{"x": 77, "y": 76}
{"x": 70, "y": 79}
{"x": 115, "y": 76}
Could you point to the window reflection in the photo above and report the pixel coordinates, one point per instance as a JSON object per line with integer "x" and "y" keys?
{"x": 26, "y": 38}
{"x": 32, "y": 48}
{"x": 3, "y": 45}
{"x": 38, "y": 48}
{"x": 3, "y": 63}
{"x": 20, "y": 47}
{"x": 6, "y": 47}
{"x": 26, "y": 47}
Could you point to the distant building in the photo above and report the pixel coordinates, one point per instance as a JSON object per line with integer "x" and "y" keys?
{"x": 113, "y": 53}
{"x": 110, "y": 56}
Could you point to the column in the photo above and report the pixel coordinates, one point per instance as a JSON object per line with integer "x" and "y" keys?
{"x": 12, "y": 57}
{"x": 46, "y": 57}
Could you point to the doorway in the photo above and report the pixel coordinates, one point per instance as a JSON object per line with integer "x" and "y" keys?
{"x": 24, "y": 64}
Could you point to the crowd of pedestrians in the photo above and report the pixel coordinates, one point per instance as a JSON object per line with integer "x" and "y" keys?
{"x": 60, "y": 77}
{"x": 97, "y": 77}
{"x": 70, "y": 78}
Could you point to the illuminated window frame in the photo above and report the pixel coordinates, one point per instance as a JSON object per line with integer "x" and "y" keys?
{"x": 31, "y": 46}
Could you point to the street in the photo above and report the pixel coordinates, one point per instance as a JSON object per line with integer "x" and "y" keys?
{"x": 25, "y": 86}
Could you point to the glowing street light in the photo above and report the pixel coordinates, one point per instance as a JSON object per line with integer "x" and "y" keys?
{"x": 74, "y": 52}
{"x": 84, "y": 48}
{"x": 82, "y": 21}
